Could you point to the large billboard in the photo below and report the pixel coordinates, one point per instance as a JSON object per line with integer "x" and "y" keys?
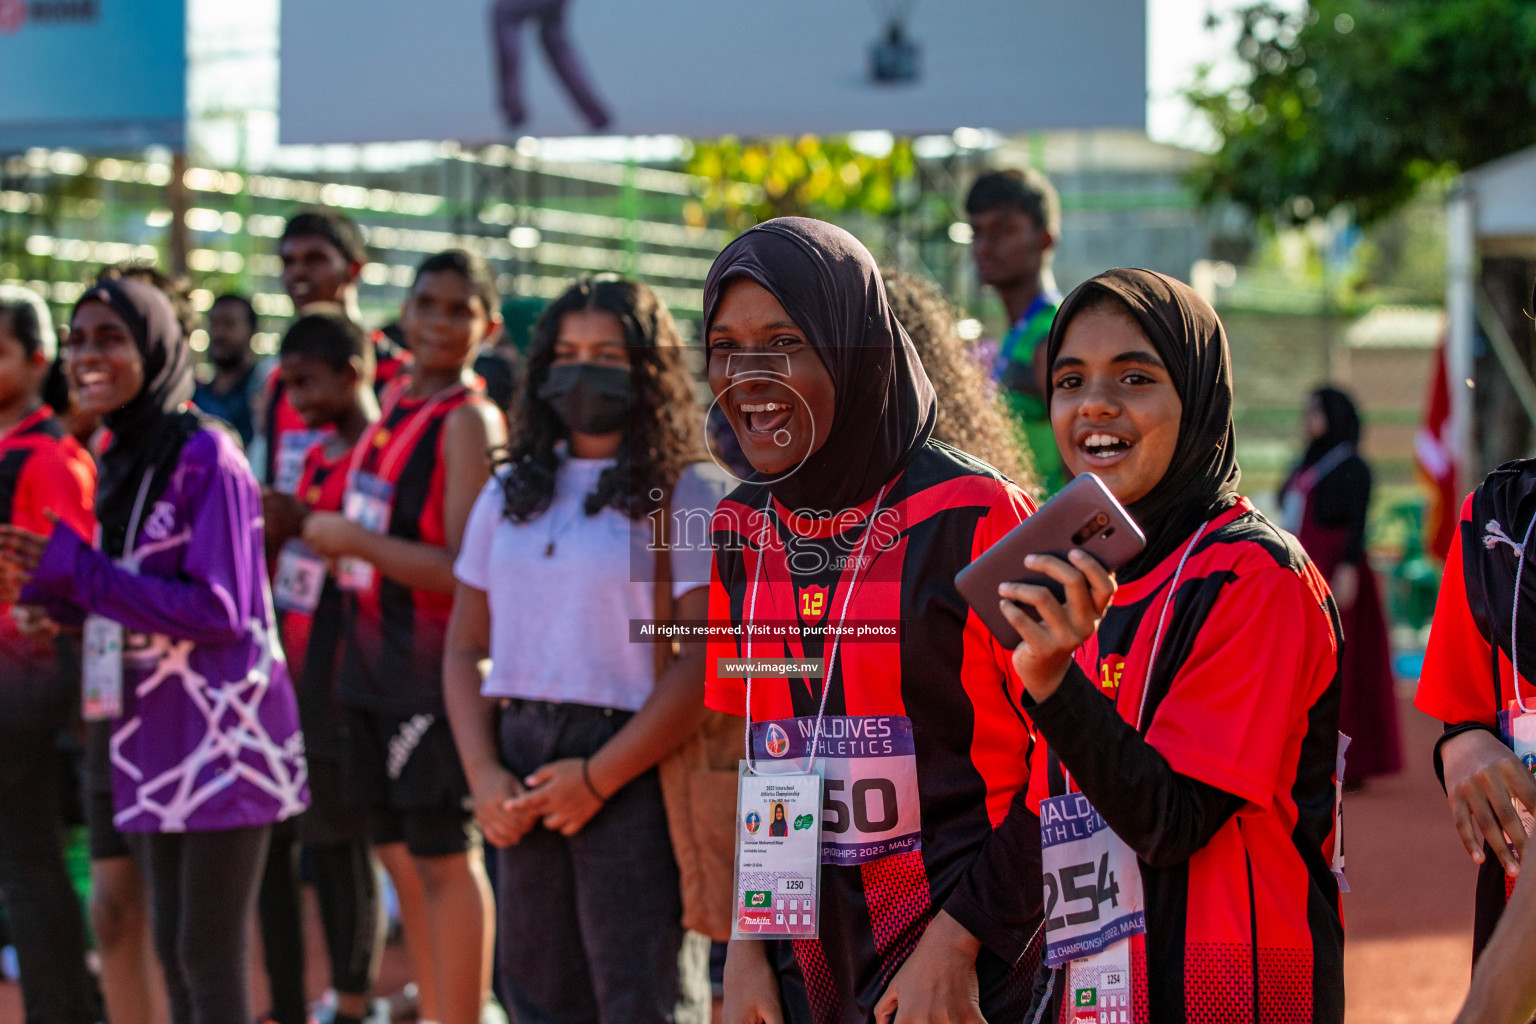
{"x": 92, "y": 74}
{"x": 490, "y": 70}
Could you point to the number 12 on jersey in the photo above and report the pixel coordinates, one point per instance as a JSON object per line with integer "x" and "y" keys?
{"x": 1093, "y": 896}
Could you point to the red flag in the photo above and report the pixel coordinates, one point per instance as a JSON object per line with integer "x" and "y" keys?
{"x": 1434, "y": 448}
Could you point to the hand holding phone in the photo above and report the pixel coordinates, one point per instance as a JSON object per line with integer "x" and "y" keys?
{"x": 1083, "y": 515}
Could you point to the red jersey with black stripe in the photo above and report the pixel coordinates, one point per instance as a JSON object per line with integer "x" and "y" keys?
{"x": 945, "y": 672}
{"x": 390, "y": 361}
{"x": 1245, "y": 698}
{"x": 1466, "y": 679}
{"x": 42, "y": 469}
{"x": 312, "y": 641}
{"x": 393, "y": 653}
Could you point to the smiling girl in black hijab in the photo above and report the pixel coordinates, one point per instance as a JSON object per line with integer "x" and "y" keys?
{"x": 205, "y": 748}
{"x": 929, "y": 895}
{"x": 1195, "y": 706}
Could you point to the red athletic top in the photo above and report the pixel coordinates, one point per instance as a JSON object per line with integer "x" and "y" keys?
{"x": 945, "y": 673}
{"x": 42, "y": 470}
{"x": 1465, "y": 679}
{"x": 393, "y": 658}
{"x": 1458, "y": 683}
{"x": 313, "y": 641}
{"x": 1245, "y": 699}
{"x": 389, "y": 362}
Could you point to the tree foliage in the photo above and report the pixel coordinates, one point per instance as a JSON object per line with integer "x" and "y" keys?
{"x": 1357, "y": 103}
{"x": 808, "y": 176}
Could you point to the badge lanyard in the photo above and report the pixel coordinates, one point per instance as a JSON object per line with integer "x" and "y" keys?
{"x": 778, "y": 868}
{"x": 1083, "y": 860}
{"x": 396, "y": 445}
{"x": 826, "y": 677}
{"x": 101, "y": 676}
{"x": 1520, "y": 721}
{"x": 370, "y": 495}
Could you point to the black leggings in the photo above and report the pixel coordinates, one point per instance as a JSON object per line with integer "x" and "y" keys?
{"x": 202, "y": 889}
{"x": 280, "y": 910}
{"x": 46, "y": 923}
{"x": 347, "y": 885}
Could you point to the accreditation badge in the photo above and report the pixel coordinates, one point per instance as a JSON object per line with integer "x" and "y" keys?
{"x": 1519, "y": 729}
{"x": 299, "y": 579}
{"x": 367, "y": 503}
{"x": 1093, "y": 897}
{"x": 288, "y": 466}
{"x": 102, "y": 671}
{"x": 778, "y": 855}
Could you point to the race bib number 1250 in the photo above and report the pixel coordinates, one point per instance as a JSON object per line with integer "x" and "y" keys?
{"x": 870, "y": 803}
{"x": 778, "y": 863}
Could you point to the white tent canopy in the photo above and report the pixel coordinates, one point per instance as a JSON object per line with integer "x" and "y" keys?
{"x": 1491, "y": 211}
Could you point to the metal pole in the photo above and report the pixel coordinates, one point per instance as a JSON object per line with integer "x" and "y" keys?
{"x": 1461, "y": 325}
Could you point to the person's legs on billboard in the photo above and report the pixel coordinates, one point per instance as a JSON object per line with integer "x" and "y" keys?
{"x": 566, "y": 65}
{"x": 506, "y": 26}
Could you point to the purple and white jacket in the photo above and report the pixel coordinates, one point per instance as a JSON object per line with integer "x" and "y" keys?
{"x": 209, "y": 735}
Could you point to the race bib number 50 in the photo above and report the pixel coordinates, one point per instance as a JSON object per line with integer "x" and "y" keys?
{"x": 870, "y": 803}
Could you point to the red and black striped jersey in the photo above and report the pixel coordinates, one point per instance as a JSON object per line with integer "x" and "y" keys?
{"x": 390, "y": 361}
{"x": 312, "y": 641}
{"x": 42, "y": 469}
{"x": 1466, "y": 679}
{"x": 1245, "y": 698}
{"x": 393, "y": 651}
{"x": 942, "y": 670}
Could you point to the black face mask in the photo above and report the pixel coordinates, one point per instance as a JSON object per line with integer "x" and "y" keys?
{"x": 591, "y": 399}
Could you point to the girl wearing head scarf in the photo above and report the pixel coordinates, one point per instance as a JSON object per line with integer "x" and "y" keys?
{"x": 855, "y": 519}
{"x": 1193, "y": 697}
{"x": 1325, "y": 501}
{"x": 181, "y": 651}
{"x": 1475, "y": 681}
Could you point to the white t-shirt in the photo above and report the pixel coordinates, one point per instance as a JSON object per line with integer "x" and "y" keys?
{"x": 560, "y": 622}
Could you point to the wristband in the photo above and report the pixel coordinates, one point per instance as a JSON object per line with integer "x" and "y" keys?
{"x": 588, "y": 780}
{"x": 1452, "y": 731}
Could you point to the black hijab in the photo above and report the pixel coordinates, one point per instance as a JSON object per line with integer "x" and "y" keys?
{"x": 884, "y": 406}
{"x": 1343, "y": 424}
{"x": 149, "y": 431}
{"x": 1201, "y": 481}
{"x": 1502, "y": 508}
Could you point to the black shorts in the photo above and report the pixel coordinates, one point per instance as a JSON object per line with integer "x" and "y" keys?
{"x": 103, "y": 838}
{"x": 406, "y": 770}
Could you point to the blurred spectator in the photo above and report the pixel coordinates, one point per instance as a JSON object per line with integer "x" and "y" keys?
{"x": 1015, "y": 219}
{"x": 565, "y": 773}
{"x": 42, "y": 470}
{"x": 231, "y": 326}
{"x": 970, "y": 416}
{"x": 1326, "y": 500}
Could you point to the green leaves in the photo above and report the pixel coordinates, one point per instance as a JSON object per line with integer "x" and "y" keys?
{"x": 810, "y": 175}
{"x": 1358, "y": 103}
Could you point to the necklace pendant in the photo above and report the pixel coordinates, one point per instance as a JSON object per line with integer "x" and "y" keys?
{"x": 549, "y": 550}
